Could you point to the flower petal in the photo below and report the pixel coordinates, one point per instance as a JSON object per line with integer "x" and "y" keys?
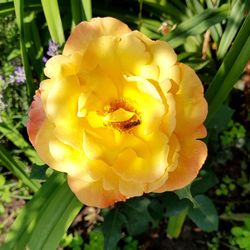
{"x": 93, "y": 193}
{"x": 191, "y": 106}
{"x": 36, "y": 117}
{"x": 192, "y": 156}
{"x": 86, "y": 32}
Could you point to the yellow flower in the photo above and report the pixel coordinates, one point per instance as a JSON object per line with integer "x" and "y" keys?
{"x": 119, "y": 115}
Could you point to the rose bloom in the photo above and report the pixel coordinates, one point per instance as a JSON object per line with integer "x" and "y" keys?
{"x": 119, "y": 114}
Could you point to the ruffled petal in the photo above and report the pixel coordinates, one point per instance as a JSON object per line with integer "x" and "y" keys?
{"x": 93, "y": 193}
{"x": 192, "y": 156}
{"x": 191, "y": 106}
{"x": 36, "y": 117}
{"x": 86, "y": 32}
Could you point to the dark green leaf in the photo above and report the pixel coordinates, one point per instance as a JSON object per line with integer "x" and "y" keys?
{"x": 185, "y": 193}
{"x": 137, "y": 214}
{"x": 204, "y": 182}
{"x": 221, "y": 118}
{"x": 38, "y": 172}
{"x": 230, "y": 70}
{"x": 196, "y": 25}
{"x": 112, "y": 228}
{"x": 205, "y": 216}
{"x": 17, "y": 168}
{"x": 173, "y": 204}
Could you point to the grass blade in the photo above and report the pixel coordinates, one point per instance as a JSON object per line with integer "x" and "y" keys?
{"x": 8, "y": 130}
{"x": 165, "y": 7}
{"x": 87, "y": 9}
{"x": 17, "y": 168}
{"x": 230, "y": 70}
{"x": 53, "y": 18}
{"x": 233, "y": 25}
{"x": 8, "y": 8}
{"x": 196, "y": 25}
{"x": 34, "y": 48}
{"x": 76, "y": 10}
{"x": 19, "y": 10}
{"x": 44, "y": 220}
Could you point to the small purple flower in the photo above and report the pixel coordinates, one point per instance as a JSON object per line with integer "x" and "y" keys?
{"x": 53, "y": 48}
{"x": 45, "y": 59}
{"x": 19, "y": 75}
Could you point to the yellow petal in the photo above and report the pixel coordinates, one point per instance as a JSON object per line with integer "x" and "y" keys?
{"x": 191, "y": 106}
{"x": 192, "y": 156}
{"x": 93, "y": 193}
{"x": 130, "y": 189}
{"x": 163, "y": 56}
{"x": 132, "y": 53}
{"x": 118, "y": 115}
{"x": 86, "y": 32}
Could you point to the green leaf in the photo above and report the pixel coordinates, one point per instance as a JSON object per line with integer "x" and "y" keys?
{"x": 11, "y": 133}
{"x": 166, "y": 7}
{"x": 38, "y": 172}
{"x": 8, "y": 8}
{"x": 53, "y": 18}
{"x": 137, "y": 214}
{"x": 233, "y": 24}
{"x": 221, "y": 118}
{"x": 204, "y": 182}
{"x": 17, "y": 168}
{"x": 76, "y": 10}
{"x": 44, "y": 220}
{"x": 196, "y": 25}
{"x": 33, "y": 43}
{"x": 19, "y": 10}
{"x": 87, "y": 7}
{"x": 185, "y": 193}
{"x": 230, "y": 70}
{"x": 205, "y": 216}
{"x": 176, "y": 222}
{"x": 172, "y": 203}
{"x": 112, "y": 228}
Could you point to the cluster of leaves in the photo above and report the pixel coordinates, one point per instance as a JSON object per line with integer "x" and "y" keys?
{"x": 241, "y": 235}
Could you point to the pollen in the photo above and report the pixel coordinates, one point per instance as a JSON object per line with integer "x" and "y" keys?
{"x": 121, "y": 115}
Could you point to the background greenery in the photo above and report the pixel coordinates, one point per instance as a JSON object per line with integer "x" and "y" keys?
{"x": 37, "y": 209}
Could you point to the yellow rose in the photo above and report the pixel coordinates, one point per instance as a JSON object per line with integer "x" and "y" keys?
{"x": 119, "y": 115}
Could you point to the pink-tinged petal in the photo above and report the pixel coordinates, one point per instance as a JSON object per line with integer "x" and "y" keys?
{"x": 86, "y": 32}
{"x": 192, "y": 157}
{"x": 36, "y": 117}
{"x": 93, "y": 193}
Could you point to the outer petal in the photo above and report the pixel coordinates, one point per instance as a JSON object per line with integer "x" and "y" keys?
{"x": 192, "y": 157}
{"x": 93, "y": 193}
{"x": 36, "y": 117}
{"x": 86, "y": 32}
{"x": 191, "y": 106}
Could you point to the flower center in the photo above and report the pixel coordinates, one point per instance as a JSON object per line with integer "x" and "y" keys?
{"x": 121, "y": 116}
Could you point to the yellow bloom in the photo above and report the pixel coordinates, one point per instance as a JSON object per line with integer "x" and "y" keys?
{"x": 119, "y": 115}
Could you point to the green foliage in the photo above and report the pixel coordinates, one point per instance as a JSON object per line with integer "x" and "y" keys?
{"x": 205, "y": 216}
{"x": 241, "y": 235}
{"x": 226, "y": 186}
{"x": 96, "y": 241}
{"x": 234, "y": 133}
{"x": 34, "y": 227}
{"x": 130, "y": 243}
